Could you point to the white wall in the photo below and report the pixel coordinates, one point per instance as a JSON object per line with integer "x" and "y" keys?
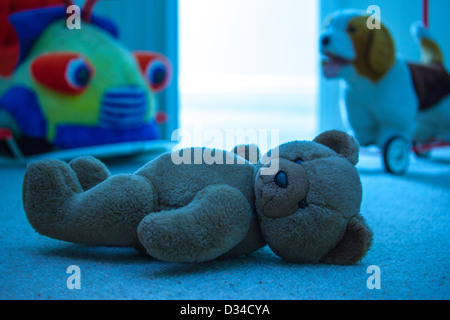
{"x": 328, "y": 110}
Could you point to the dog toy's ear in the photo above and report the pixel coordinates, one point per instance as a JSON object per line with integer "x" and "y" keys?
{"x": 355, "y": 244}
{"x": 342, "y": 143}
{"x": 381, "y": 54}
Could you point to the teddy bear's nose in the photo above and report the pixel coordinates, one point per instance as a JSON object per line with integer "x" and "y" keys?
{"x": 281, "y": 179}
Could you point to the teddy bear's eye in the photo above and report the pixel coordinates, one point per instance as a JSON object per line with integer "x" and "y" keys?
{"x": 299, "y": 161}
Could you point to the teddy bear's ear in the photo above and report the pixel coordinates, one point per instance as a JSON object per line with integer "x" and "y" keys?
{"x": 342, "y": 143}
{"x": 355, "y": 244}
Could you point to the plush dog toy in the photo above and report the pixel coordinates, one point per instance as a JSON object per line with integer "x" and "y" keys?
{"x": 306, "y": 210}
{"x": 386, "y": 96}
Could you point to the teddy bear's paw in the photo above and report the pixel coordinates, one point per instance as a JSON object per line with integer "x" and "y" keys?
{"x": 47, "y": 186}
{"x": 354, "y": 245}
{"x": 216, "y": 220}
{"x": 90, "y": 171}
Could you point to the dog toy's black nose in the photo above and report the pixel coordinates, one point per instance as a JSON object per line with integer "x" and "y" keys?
{"x": 281, "y": 179}
{"x": 326, "y": 41}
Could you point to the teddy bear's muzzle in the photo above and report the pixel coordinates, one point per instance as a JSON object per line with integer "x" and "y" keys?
{"x": 283, "y": 193}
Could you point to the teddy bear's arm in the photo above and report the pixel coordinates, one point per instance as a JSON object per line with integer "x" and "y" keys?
{"x": 215, "y": 221}
{"x": 107, "y": 214}
{"x": 252, "y": 242}
{"x": 90, "y": 171}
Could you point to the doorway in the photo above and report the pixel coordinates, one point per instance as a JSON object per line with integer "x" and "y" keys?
{"x": 247, "y": 66}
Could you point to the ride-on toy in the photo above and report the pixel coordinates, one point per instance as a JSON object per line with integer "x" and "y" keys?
{"x": 392, "y": 103}
{"x": 396, "y": 154}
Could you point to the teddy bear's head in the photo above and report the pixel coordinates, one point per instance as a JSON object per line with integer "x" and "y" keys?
{"x": 308, "y": 209}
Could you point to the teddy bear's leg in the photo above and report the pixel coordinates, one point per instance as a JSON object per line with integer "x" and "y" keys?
{"x": 354, "y": 245}
{"x": 108, "y": 214}
{"x": 90, "y": 171}
{"x": 215, "y": 221}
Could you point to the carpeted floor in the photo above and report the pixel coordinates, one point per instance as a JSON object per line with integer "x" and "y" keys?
{"x": 410, "y": 217}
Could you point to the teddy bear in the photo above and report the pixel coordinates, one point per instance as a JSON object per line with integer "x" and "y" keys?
{"x": 306, "y": 208}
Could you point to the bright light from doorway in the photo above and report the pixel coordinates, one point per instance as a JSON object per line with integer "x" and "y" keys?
{"x": 248, "y": 64}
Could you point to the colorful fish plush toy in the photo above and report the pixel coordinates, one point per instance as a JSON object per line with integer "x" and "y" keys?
{"x": 64, "y": 88}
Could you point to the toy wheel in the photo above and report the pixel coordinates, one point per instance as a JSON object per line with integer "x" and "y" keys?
{"x": 396, "y": 155}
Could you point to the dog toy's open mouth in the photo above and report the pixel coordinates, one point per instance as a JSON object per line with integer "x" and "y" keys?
{"x": 332, "y": 64}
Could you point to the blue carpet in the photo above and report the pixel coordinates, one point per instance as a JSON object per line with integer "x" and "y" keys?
{"x": 410, "y": 217}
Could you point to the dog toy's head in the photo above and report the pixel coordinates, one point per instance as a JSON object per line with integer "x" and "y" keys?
{"x": 309, "y": 209}
{"x": 347, "y": 44}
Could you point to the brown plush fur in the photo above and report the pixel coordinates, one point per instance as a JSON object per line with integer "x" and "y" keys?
{"x": 375, "y": 49}
{"x": 202, "y": 211}
{"x": 431, "y": 52}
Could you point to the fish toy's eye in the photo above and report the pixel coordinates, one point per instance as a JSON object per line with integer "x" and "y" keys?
{"x": 156, "y": 73}
{"x": 155, "y": 68}
{"x": 67, "y": 73}
{"x": 78, "y": 74}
